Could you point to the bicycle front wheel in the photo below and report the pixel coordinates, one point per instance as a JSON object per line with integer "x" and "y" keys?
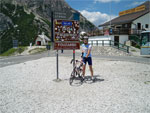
{"x": 72, "y": 77}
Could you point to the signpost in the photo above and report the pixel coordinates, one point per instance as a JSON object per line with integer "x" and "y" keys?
{"x": 110, "y": 31}
{"x": 66, "y": 34}
{"x": 137, "y": 9}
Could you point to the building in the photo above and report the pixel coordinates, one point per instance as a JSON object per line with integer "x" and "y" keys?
{"x": 129, "y": 24}
{"x": 42, "y": 40}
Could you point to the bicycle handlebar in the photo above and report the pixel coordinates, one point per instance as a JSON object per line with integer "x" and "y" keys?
{"x": 75, "y": 61}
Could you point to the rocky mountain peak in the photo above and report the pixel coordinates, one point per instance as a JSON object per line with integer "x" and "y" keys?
{"x": 32, "y": 17}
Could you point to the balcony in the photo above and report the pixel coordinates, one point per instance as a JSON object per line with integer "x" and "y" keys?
{"x": 135, "y": 31}
{"x": 116, "y": 31}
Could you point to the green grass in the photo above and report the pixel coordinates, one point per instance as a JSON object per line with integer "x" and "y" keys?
{"x": 137, "y": 46}
{"x": 147, "y": 82}
{"x": 21, "y": 49}
{"x": 133, "y": 50}
{"x": 37, "y": 50}
{"x": 47, "y": 22}
{"x": 13, "y": 51}
{"x": 26, "y": 31}
{"x": 9, "y": 52}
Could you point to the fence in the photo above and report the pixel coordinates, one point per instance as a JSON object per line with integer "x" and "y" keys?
{"x": 110, "y": 43}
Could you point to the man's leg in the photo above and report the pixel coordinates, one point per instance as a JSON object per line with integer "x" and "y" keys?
{"x": 90, "y": 66}
{"x": 84, "y": 67}
{"x": 91, "y": 70}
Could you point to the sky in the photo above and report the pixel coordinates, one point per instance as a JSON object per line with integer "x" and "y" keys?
{"x": 100, "y": 11}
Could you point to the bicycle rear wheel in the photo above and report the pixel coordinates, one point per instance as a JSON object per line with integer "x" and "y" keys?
{"x": 81, "y": 78}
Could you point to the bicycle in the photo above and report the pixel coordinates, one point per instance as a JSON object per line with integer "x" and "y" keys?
{"x": 77, "y": 71}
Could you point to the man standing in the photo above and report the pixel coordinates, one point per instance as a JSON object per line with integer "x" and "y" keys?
{"x": 86, "y": 53}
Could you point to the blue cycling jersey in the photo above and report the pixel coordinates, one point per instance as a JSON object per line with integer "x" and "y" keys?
{"x": 85, "y": 49}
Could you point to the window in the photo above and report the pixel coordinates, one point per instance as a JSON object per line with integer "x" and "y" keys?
{"x": 146, "y": 26}
{"x": 126, "y": 25}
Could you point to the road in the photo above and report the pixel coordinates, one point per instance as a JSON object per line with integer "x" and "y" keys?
{"x": 20, "y": 59}
{"x": 6, "y": 61}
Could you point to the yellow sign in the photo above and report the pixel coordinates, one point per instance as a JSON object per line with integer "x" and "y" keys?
{"x": 145, "y": 47}
{"x": 137, "y": 9}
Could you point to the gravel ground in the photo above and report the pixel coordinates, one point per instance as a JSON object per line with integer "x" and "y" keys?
{"x": 120, "y": 87}
{"x": 109, "y": 51}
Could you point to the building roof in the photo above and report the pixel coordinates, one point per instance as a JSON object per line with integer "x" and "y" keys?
{"x": 44, "y": 37}
{"x": 128, "y": 18}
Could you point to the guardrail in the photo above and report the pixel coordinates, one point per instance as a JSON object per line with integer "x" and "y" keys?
{"x": 110, "y": 43}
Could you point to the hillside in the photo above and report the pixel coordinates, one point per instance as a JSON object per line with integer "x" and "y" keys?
{"x": 25, "y": 19}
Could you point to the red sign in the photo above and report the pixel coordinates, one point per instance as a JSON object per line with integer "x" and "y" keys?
{"x": 66, "y": 34}
{"x": 66, "y": 45}
{"x": 106, "y": 32}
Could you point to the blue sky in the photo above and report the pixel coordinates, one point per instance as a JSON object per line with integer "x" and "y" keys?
{"x": 98, "y": 11}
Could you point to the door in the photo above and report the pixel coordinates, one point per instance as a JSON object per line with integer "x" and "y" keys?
{"x": 139, "y": 26}
{"x": 39, "y": 43}
{"x": 116, "y": 39}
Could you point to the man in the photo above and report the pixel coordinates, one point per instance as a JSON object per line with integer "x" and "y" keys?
{"x": 86, "y": 53}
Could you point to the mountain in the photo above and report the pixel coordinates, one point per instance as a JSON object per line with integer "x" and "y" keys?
{"x": 25, "y": 19}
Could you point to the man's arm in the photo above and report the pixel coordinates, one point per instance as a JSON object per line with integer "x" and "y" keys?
{"x": 82, "y": 48}
{"x": 82, "y": 51}
{"x": 89, "y": 51}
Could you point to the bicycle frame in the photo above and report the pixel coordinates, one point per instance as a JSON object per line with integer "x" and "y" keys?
{"x": 77, "y": 71}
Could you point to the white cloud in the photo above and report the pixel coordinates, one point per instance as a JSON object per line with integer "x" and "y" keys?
{"x": 96, "y": 17}
{"x": 106, "y": 1}
{"x": 135, "y": 4}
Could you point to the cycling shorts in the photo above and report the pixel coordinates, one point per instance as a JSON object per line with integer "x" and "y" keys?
{"x": 89, "y": 60}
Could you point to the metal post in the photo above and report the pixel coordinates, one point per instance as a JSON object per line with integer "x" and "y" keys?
{"x": 0, "y": 32}
{"x": 103, "y": 42}
{"x": 57, "y": 69}
{"x": 52, "y": 29}
{"x": 92, "y": 42}
{"x": 97, "y": 42}
{"x": 73, "y": 58}
{"x": 73, "y": 62}
{"x": 127, "y": 49}
{"x": 0, "y": 43}
{"x": 110, "y": 42}
{"x": 57, "y": 65}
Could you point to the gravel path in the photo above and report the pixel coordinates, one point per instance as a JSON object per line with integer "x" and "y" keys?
{"x": 120, "y": 87}
{"x": 108, "y": 51}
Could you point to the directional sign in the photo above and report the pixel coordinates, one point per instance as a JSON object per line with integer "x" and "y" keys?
{"x": 66, "y": 34}
{"x": 76, "y": 16}
{"x": 60, "y": 15}
{"x": 66, "y": 45}
{"x": 67, "y": 16}
{"x": 66, "y": 23}
{"x": 15, "y": 43}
